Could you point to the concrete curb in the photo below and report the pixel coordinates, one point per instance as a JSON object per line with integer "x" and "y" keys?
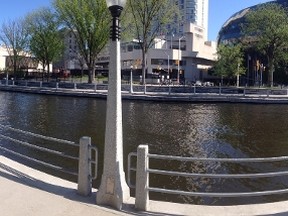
{"x": 156, "y": 96}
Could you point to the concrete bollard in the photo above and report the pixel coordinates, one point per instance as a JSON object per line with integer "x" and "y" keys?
{"x": 95, "y": 87}
{"x": 268, "y": 93}
{"x": 145, "y": 89}
{"x": 57, "y": 85}
{"x": 40, "y": 85}
{"x": 244, "y": 92}
{"x": 142, "y": 179}
{"x": 75, "y": 86}
{"x": 194, "y": 89}
{"x": 84, "y": 171}
{"x": 169, "y": 90}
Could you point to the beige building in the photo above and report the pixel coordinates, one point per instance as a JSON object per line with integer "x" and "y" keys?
{"x": 194, "y": 54}
{"x": 25, "y": 62}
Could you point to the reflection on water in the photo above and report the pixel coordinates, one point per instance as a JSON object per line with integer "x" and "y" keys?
{"x": 197, "y": 130}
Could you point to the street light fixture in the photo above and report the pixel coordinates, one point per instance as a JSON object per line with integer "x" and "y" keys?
{"x": 114, "y": 190}
{"x": 179, "y": 47}
{"x": 131, "y": 79}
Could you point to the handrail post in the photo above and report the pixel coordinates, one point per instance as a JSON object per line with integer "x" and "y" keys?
{"x": 142, "y": 179}
{"x": 220, "y": 89}
{"x": 84, "y": 175}
{"x": 95, "y": 86}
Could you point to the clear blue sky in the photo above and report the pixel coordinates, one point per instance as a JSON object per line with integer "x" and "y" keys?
{"x": 219, "y": 11}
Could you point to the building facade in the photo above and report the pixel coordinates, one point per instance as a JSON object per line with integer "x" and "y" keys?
{"x": 26, "y": 64}
{"x": 185, "y": 58}
{"x": 185, "y": 55}
{"x": 192, "y": 11}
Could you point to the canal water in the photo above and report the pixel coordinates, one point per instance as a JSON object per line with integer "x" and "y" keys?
{"x": 182, "y": 129}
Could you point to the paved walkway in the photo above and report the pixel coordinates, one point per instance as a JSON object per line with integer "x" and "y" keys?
{"x": 28, "y": 192}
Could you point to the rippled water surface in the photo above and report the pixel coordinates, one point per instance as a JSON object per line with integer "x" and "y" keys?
{"x": 197, "y": 130}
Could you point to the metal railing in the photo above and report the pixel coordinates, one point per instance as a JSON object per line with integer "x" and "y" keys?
{"x": 85, "y": 173}
{"x": 143, "y": 170}
{"x": 167, "y": 89}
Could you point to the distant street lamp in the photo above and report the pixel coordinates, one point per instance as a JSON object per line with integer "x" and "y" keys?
{"x": 131, "y": 79}
{"x": 238, "y": 75}
{"x": 179, "y": 47}
{"x": 114, "y": 190}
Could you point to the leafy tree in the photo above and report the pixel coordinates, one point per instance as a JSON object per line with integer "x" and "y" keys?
{"x": 149, "y": 19}
{"x": 266, "y": 30}
{"x": 230, "y": 61}
{"x": 46, "y": 42}
{"x": 89, "y": 21}
{"x": 14, "y": 35}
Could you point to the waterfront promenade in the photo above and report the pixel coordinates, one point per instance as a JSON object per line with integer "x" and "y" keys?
{"x": 161, "y": 93}
{"x": 25, "y": 191}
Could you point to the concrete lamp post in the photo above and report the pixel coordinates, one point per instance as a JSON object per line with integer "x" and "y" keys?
{"x": 131, "y": 79}
{"x": 114, "y": 190}
{"x": 178, "y": 68}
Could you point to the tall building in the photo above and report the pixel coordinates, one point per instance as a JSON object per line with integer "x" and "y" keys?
{"x": 193, "y": 11}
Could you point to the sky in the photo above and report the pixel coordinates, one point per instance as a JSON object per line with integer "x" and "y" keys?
{"x": 219, "y": 11}
{"x": 222, "y": 10}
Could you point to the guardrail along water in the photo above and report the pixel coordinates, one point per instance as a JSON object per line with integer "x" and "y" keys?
{"x": 189, "y": 130}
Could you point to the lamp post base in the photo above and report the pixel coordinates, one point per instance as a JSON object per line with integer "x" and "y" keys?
{"x": 113, "y": 191}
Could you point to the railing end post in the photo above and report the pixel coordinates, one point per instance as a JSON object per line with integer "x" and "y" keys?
{"x": 142, "y": 179}
{"x": 84, "y": 175}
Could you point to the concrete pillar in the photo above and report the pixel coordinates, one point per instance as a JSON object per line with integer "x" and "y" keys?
{"x": 113, "y": 190}
{"x": 220, "y": 89}
{"x": 142, "y": 179}
{"x": 84, "y": 171}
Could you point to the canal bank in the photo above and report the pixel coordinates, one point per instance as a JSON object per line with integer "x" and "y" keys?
{"x": 25, "y": 191}
{"x": 179, "y": 94}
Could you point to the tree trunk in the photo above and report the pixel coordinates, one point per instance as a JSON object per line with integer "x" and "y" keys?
{"x": 143, "y": 67}
{"x": 91, "y": 75}
{"x": 271, "y": 72}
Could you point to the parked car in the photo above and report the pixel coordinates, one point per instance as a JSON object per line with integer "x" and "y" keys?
{"x": 198, "y": 83}
{"x": 208, "y": 84}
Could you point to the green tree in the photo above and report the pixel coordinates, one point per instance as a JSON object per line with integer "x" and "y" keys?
{"x": 89, "y": 21}
{"x": 149, "y": 19}
{"x": 14, "y": 35}
{"x": 46, "y": 42}
{"x": 230, "y": 61}
{"x": 266, "y": 30}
